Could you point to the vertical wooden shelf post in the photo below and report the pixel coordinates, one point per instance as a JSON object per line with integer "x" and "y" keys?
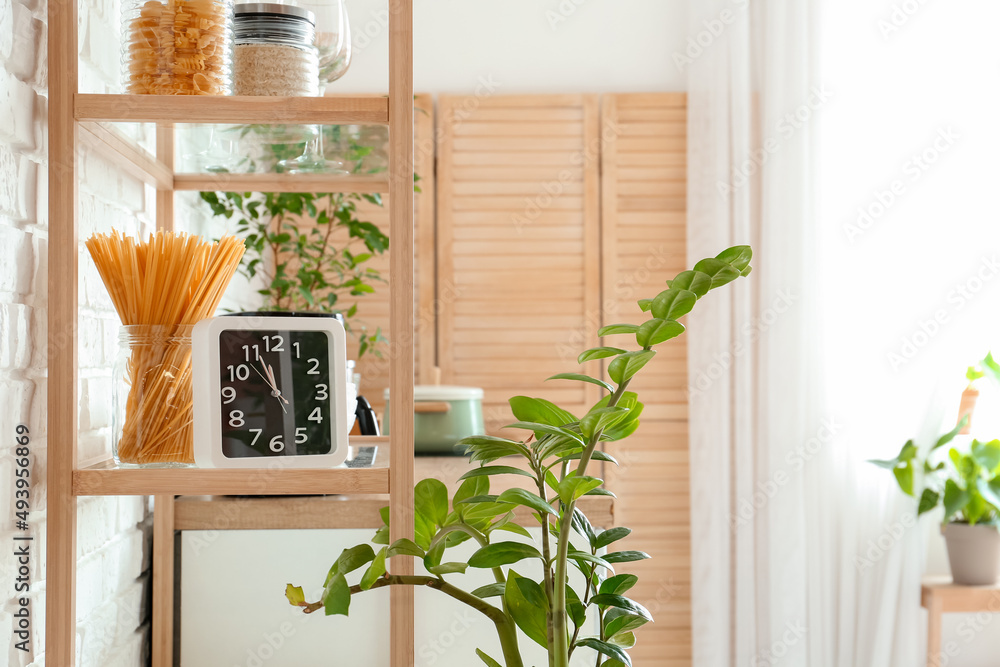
{"x": 61, "y": 436}
{"x": 401, "y": 317}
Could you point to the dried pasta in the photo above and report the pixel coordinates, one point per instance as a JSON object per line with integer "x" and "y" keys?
{"x": 168, "y": 283}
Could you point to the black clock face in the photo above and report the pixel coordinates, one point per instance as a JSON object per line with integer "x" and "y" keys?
{"x": 277, "y": 393}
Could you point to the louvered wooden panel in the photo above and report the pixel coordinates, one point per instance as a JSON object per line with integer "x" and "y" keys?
{"x": 374, "y": 308}
{"x": 518, "y": 237}
{"x": 643, "y": 244}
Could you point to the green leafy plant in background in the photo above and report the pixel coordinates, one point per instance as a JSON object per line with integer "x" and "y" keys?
{"x": 555, "y": 459}
{"x": 967, "y": 484}
{"x": 307, "y": 267}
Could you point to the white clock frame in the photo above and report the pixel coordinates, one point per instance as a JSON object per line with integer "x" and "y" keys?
{"x": 207, "y": 388}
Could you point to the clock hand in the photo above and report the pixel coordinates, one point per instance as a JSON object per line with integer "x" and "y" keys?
{"x": 271, "y": 383}
{"x": 274, "y": 385}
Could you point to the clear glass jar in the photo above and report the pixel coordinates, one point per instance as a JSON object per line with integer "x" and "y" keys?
{"x": 152, "y": 418}
{"x": 275, "y": 52}
{"x": 177, "y": 47}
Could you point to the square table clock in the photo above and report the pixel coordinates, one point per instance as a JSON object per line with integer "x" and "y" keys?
{"x": 269, "y": 390}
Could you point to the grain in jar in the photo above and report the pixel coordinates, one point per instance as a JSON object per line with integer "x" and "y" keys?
{"x": 275, "y": 52}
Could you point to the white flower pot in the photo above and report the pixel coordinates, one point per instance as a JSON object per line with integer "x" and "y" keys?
{"x": 973, "y": 553}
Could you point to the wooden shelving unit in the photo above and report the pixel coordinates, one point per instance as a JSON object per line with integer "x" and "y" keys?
{"x": 76, "y": 119}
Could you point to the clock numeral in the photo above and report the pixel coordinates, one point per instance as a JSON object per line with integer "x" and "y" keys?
{"x": 256, "y": 352}
{"x": 316, "y": 416}
{"x": 296, "y": 346}
{"x": 321, "y": 392}
{"x": 241, "y": 372}
{"x": 228, "y": 395}
{"x": 315, "y": 367}
{"x": 300, "y": 435}
{"x": 277, "y": 443}
{"x": 236, "y": 419}
{"x": 277, "y": 347}
{"x": 256, "y": 437}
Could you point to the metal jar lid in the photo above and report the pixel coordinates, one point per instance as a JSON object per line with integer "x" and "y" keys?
{"x": 270, "y": 23}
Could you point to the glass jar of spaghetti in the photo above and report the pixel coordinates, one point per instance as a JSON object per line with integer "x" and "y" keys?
{"x": 152, "y": 418}
{"x": 177, "y": 47}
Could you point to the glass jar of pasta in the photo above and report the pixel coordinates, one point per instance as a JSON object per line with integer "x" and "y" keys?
{"x": 177, "y": 47}
{"x": 152, "y": 418}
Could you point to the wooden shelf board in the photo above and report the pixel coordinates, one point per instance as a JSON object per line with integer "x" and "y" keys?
{"x": 281, "y": 183}
{"x": 320, "y": 512}
{"x": 231, "y": 109}
{"x": 125, "y": 153}
{"x": 106, "y": 479}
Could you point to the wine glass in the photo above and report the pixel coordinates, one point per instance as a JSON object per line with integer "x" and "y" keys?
{"x": 335, "y": 48}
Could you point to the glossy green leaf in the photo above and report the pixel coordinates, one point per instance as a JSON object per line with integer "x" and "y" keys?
{"x": 575, "y": 607}
{"x": 515, "y": 528}
{"x": 738, "y": 256}
{"x": 955, "y": 499}
{"x": 601, "y": 491}
{"x": 625, "y": 556}
{"x": 625, "y": 640}
{"x": 617, "y": 621}
{"x": 486, "y": 510}
{"x": 613, "y": 329}
{"x": 374, "y": 572}
{"x": 599, "y": 353}
{"x": 477, "y": 485}
{"x": 583, "y": 378}
{"x": 526, "y": 603}
{"x": 448, "y": 568}
{"x": 584, "y": 557}
{"x": 720, "y": 272}
{"x": 599, "y": 419}
{"x": 645, "y": 305}
{"x": 928, "y": 501}
{"x": 610, "y": 650}
{"x": 596, "y": 455}
{"x": 490, "y": 662}
{"x": 621, "y": 602}
{"x": 430, "y": 498}
{"x": 573, "y": 487}
{"x": 528, "y": 499}
{"x": 950, "y": 435}
{"x": 581, "y": 524}
{"x": 618, "y": 584}
{"x": 673, "y": 303}
{"x": 987, "y": 454}
{"x": 489, "y": 591}
{"x": 502, "y": 553}
{"x": 487, "y": 471}
{"x": 612, "y": 535}
{"x": 295, "y": 596}
{"x": 990, "y": 491}
{"x": 354, "y": 558}
{"x": 404, "y": 547}
{"x": 527, "y": 409}
{"x": 337, "y": 596}
{"x": 546, "y": 428}
{"x": 694, "y": 281}
{"x": 627, "y": 365}
{"x": 656, "y": 331}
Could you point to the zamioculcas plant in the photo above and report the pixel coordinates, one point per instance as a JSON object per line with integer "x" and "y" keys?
{"x": 556, "y": 455}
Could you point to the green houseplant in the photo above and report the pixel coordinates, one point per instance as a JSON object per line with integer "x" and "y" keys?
{"x": 967, "y": 485}
{"x": 557, "y": 450}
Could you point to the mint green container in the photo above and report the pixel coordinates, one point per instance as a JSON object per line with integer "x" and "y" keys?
{"x": 442, "y": 415}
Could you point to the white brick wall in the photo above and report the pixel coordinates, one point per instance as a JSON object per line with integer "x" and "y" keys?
{"x": 113, "y": 533}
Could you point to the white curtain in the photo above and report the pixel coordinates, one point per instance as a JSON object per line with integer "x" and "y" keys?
{"x": 803, "y": 116}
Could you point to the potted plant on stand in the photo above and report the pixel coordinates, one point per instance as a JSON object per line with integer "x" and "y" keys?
{"x": 578, "y": 581}
{"x": 967, "y": 485}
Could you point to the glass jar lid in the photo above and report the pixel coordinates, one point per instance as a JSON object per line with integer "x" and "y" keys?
{"x": 270, "y": 23}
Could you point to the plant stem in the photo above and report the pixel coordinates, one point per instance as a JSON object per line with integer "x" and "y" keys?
{"x": 506, "y": 630}
{"x": 560, "y": 630}
{"x": 546, "y": 568}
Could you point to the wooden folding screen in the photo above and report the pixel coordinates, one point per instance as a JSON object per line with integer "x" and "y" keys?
{"x": 643, "y": 182}
{"x": 518, "y": 237}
